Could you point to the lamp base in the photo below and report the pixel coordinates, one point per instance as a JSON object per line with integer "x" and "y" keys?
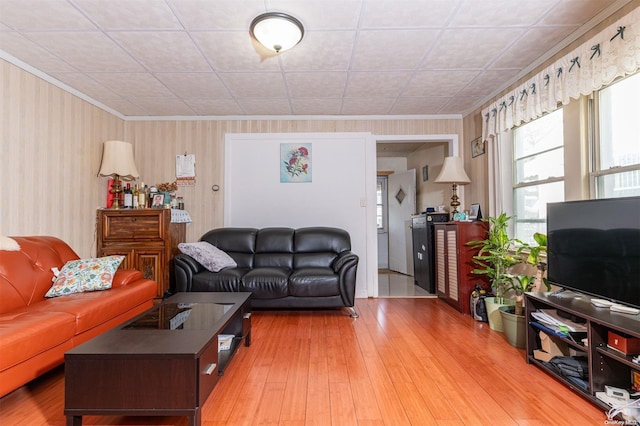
{"x": 116, "y": 190}
{"x": 454, "y": 200}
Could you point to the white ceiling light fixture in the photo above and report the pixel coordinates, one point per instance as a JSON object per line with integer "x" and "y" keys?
{"x": 276, "y": 31}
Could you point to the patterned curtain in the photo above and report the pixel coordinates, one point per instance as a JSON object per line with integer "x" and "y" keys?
{"x": 613, "y": 53}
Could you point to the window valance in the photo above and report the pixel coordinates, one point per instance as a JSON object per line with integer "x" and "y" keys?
{"x": 612, "y": 53}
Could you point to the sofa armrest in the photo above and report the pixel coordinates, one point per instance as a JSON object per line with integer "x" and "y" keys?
{"x": 124, "y": 277}
{"x": 184, "y": 267}
{"x": 345, "y": 258}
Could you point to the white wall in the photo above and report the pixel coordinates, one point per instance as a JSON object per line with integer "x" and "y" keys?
{"x": 255, "y": 197}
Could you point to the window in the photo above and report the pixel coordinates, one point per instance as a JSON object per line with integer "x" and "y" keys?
{"x": 538, "y": 173}
{"x": 616, "y": 146}
{"x": 381, "y": 204}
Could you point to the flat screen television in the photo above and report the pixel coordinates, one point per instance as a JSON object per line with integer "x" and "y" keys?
{"x": 594, "y": 248}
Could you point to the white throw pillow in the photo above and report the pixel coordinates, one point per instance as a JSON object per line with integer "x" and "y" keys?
{"x": 8, "y": 244}
{"x": 208, "y": 255}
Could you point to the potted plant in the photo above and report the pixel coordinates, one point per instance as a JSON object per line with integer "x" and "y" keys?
{"x": 513, "y": 318}
{"x": 536, "y": 259}
{"x": 496, "y": 255}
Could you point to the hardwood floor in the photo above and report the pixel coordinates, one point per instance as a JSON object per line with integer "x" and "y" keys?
{"x": 413, "y": 361}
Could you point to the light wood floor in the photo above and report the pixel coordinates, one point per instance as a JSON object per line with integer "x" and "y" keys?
{"x": 403, "y": 362}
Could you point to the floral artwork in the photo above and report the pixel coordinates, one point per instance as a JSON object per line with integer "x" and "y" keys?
{"x": 295, "y": 162}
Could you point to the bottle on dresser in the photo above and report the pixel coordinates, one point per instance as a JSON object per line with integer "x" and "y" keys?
{"x": 128, "y": 197}
{"x": 142, "y": 196}
{"x": 136, "y": 195}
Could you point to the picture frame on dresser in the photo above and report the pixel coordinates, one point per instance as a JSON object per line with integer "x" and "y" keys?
{"x": 157, "y": 201}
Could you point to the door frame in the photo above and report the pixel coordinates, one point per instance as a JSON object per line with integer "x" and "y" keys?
{"x": 453, "y": 149}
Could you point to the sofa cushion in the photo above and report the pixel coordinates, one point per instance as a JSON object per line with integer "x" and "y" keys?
{"x": 94, "y": 308}
{"x": 25, "y": 333}
{"x": 226, "y": 280}
{"x": 314, "y": 282}
{"x": 81, "y": 275}
{"x": 267, "y": 283}
{"x": 208, "y": 255}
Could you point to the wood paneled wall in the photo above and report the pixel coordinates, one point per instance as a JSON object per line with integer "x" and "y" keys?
{"x": 51, "y": 146}
{"x": 52, "y": 141}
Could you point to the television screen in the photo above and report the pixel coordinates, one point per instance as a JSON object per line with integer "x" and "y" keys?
{"x": 594, "y": 247}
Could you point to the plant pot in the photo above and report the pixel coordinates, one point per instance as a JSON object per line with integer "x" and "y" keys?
{"x": 515, "y": 327}
{"x": 493, "y": 312}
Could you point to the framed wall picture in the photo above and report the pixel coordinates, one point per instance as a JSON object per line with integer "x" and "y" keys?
{"x": 477, "y": 147}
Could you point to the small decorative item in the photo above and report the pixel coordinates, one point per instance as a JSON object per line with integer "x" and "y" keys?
{"x": 295, "y": 162}
{"x": 158, "y": 201}
{"x": 477, "y": 147}
{"x": 425, "y": 173}
{"x": 400, "y": 195}
{"x": 474, "y": 212}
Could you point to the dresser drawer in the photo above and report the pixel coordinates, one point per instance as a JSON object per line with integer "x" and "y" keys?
{"x": 116, "y": 227}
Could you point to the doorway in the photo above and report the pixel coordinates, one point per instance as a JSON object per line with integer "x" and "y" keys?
{"x": 398, "y": 155}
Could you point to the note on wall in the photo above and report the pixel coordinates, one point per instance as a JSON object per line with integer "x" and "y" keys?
{"x": 186, "y": 170}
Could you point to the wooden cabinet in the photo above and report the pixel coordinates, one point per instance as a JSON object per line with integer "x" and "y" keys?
{"x": 146, "y": 238}
{"x": 606, "y": 366}
{"x": 454, "y": 261}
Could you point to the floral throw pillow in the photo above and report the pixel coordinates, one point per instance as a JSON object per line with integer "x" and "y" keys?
{"x": 208, "y": 255}
{"x": 78, "y": 276}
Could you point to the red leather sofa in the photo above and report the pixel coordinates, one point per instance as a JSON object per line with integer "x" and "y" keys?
{"x": 35, "y": 331}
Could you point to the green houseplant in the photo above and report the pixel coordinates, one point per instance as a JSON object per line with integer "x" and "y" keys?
{"x": 496, "y": 255}
{"x": 537, "y": 257}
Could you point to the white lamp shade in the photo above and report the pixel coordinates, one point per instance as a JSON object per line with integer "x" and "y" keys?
{"x": 453, "y": 172}
{"x": 277, "y": 31}
{"x": 117, "y": 159}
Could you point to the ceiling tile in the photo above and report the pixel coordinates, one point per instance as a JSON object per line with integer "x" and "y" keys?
{"x": 492, "y": 14}
{"x": 218, "y": 14}
{"x": 163, "y": 106}
{"x": 320, "y": 106}
{"x": 130, "y": 14}
{"x": 457, "y": 104}
{"x": 487, "y": 81}
{"x": 32, "y": 54}
{"x": 325, "y": 14}
{"x": 214, "y": 106}
{"x": 233, "y": 51}
{"x": 265, "y": 106}
{"x": 316, "y": 84}
{"x": 366, "y": 106}
{"x": 87, "y": 51}
{"x": 407, "y": 13}
{"x": 85, "y": 84}
{"x": 163, "y": 51}
{"x": 419, "y": 105}
{"x": 255, "y": 85}
{"x": 42, "y": 15}
{"x": 194, "y": 85}
{"x": 573, "y": 12}
{"x": 469, "y": 48}
{"x": 133, "y": 85}
{"x": 383, "y": 84}
{"x": 438, "y": 83}
{"x": 326, "y": 50}
{"x": 391, "y": 49}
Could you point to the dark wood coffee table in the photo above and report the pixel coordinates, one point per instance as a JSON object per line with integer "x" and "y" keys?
{"x": 164, "y": 362}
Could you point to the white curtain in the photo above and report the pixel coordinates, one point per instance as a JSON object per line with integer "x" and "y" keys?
{"x": 613, "y": 53}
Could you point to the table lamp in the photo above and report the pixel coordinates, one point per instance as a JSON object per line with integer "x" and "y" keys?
{"x": 118, "y": 162}
{"x": 453, "y": 172}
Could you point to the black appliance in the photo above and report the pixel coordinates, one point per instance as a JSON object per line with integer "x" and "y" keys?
{"x": 594, "y": 247}
{"x": 424, "y": 270}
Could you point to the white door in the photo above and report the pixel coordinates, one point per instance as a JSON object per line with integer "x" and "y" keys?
{"x": 402, "y": 204}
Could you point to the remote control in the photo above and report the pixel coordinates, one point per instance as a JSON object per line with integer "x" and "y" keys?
{"x": 624, "y": 309}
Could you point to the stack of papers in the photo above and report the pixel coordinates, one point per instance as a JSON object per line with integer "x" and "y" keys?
{"x": 549, "y": 321}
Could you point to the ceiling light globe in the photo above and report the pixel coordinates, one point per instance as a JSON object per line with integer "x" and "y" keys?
{"x": 277, "y": 31}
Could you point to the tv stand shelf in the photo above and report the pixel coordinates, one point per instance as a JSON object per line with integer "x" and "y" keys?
{"x": 606, "y": 366}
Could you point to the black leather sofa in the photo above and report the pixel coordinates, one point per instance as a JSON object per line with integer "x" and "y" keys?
{"x": 283, "y": 267}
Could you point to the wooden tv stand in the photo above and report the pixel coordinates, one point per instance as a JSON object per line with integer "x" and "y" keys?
{"x": 606, "y": 366}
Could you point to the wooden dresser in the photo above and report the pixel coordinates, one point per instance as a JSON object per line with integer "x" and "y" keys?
{"x": 454, "y": 261}
{"x": 146, "y": 237}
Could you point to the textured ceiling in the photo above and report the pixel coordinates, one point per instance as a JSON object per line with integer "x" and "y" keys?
{"x": 357, "y": 57}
